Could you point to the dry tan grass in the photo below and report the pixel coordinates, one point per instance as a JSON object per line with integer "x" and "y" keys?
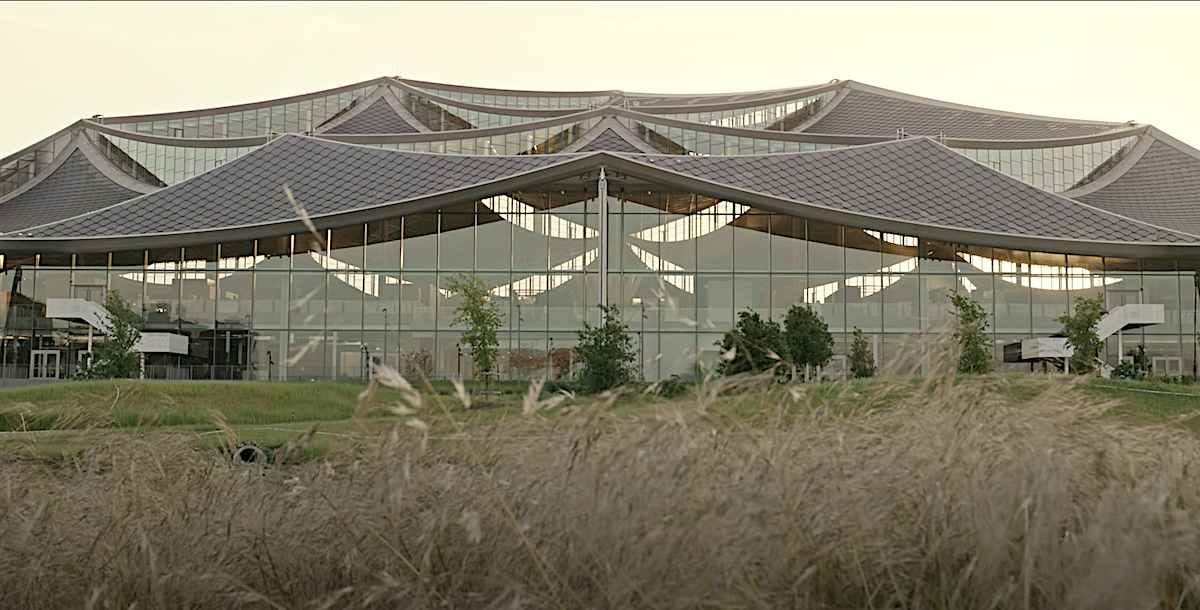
{"x": 956, "y": 499}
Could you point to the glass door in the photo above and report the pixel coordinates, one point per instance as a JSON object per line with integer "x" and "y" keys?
{"x": 44, "y": 364}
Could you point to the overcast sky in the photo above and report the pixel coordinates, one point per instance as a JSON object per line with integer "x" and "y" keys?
{"x": 1113, "y": 62}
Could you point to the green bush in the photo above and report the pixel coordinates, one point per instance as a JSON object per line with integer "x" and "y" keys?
{"x": 862, "y": 361}
{"x": 554, "y": 386}
{"x": 606, "y": 353}
{"x": 757, "y": 344}
{"x": 673, "y": 387}
{"x": 1128, "y": 370}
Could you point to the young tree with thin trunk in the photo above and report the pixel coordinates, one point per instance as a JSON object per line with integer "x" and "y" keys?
{"x": 116, "y": 358}
{"x": 479, "y": 316}
{"x": 975, "y": 353}
{"x": 1080, "y": 328}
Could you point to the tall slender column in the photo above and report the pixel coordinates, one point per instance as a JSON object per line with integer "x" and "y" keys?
{"x": 602, "y": 189}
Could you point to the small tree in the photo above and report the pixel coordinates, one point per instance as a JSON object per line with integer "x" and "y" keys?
{"x": 862, "y": 361}
{"x": 806, "y": 337}
{"x": 480, "y": 317}
{"x": 606, "y": 353}
{"x": 115, "y": 358}
{"x": 1080, "y": 329}
{"x": 974, "y": 354}
{"x": 755, "y": 340}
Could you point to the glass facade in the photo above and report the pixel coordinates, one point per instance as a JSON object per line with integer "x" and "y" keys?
{"x": 23, "y": 168}
{"x": 440, "y": 116}
{"x": 160, "y": 165}
{"x": 301, "y": 116}
{"x": 680, "y": 265}
{"x": 777, "y": 116}
{"x": 527, "y": 101}
{"x": 544, "y": 140}
{"x": 1056, "y": 169}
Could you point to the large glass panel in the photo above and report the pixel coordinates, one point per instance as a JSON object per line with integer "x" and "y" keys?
{"x": 346, "y": 245}
{"x": 493, "y": 240}
{"x": 714, "y": 298}
{"x": 786, "y": 290}
{"x": 235, "y": 282}
{"x": 198, "y": 288}
{"x": 272, "y": 297}
{"x": 752, "y": 242}
{"x": 678, "y": 355}
{"x": 419, "y": 249}
{"x": 161, "y": 310}
{"x": 383, "y": 244}
{"x": 827, "y": 297}
{"x": 862, "y": 252}
{"x": 825, "y": 252}
{"x": 127, "y": 277}
{"x": 419, "y": 300}
{"x": 641, "y": 302}
{"x": 1163, "y": 288}
{"x": 789, "y": 250}
{"x": 308, "y": 356}
{"x": 937, "y": 313}
{"x": 456, "y": 243}
{"x": 566, "y": 302}
{"x": 752, "y": 292}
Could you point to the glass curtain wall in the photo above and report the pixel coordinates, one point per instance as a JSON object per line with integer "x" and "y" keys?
{"x": 681, "y": 265}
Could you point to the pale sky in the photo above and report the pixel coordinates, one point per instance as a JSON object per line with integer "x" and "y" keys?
{"x": 1102, "y": 61}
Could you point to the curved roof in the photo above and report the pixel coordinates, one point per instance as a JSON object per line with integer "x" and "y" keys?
{"x": 80, "y": 181}
{"x": 610, "y": 141}
{"x": 899, "y": 185}
{"x": 673, "y": 100}
{"x": 879, "y": 180}
{"x": 377, "y": 117}
{"x": 1162, "y": 187}
{"x": 918, "y": 181}
{"x": 326, "y": 178}
{"x": 871, "y": 111}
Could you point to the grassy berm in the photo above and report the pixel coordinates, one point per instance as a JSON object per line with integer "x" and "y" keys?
{"x": 943, "y": 493}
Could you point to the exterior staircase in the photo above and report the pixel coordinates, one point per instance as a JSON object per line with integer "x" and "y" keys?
{"x": 1055, "y": 349}
{"x": 97, "y": 316}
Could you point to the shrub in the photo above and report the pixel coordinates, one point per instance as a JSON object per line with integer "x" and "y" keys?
{"x": 757, "y": 344}
{"x": 1128, "y": 370}
{"x": 554, "y": 386}
{"x": 606, "y": 353}
{"x": 673, "y": 387}
{"x": 862, "y": 361}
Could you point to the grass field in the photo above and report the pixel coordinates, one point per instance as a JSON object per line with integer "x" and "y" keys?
{"x": 1003, "y": 493}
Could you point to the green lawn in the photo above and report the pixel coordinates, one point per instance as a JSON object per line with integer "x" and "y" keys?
{"x": 74, "y": 415}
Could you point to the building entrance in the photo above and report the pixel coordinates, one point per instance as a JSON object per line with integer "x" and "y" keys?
{"x": 44, "y": 364}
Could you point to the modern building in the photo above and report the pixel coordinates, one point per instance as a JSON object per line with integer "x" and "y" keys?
{"x": 871, "y": 205}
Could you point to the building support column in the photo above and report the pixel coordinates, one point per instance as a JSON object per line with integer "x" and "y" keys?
{"x": 602, "y": 190}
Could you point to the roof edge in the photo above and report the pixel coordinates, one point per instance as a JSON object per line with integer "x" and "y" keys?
{"x": 1116, "y": 172}
{"x": 956, "y": 106}
{"x": 183, "y": 114}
